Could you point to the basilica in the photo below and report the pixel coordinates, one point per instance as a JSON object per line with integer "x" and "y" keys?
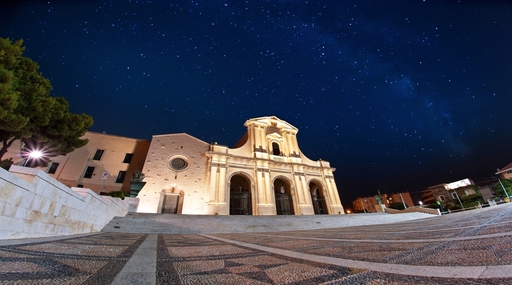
{"x": 265, "y": 173}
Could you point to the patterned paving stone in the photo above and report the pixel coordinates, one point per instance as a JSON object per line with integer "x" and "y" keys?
{"x": 479, "y": 240}
{"x": 88, "y": 260}
{"x": 213, "y": 262}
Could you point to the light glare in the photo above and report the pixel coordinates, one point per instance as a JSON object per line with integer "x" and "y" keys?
{"x": 35, "y": 154}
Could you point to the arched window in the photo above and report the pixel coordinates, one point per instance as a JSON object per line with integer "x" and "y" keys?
{"x": 275, "y": 149}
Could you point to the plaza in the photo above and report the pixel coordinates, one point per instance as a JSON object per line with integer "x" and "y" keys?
{"x": 471, "y": 247}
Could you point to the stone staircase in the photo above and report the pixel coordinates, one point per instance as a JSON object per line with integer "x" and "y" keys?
{"x": 202, "y": 224}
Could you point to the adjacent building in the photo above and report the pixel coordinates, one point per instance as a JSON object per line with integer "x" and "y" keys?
{"x": 374, "y": 204}
{"x": 103, "y": 165}
{"x": 447, "y": 192}
{"x": 505, "y": 172}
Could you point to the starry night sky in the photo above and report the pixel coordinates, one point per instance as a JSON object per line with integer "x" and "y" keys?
{"x": 396, "y": 95}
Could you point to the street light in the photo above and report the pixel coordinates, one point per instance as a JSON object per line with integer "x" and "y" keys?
{"x": 421, "y": 204}
{"x": 405, "y": 206}
{"x": 454, "y": 191}
{"x": 35, "y": 154}
{"x": 364, "y": 207}
{"x": 504, "y": 190}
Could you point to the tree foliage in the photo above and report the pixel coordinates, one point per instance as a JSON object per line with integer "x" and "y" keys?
{"x": 115, "y": 194}
{"x": 6, "y": 163}
{"x": 498, "y": 188}
{"x": 28, "y": 112}
{"x": 397, "y": 206}
{"x": 472, "y": 200}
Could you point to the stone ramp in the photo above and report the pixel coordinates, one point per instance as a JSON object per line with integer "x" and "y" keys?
{"x": 202, "y": 224}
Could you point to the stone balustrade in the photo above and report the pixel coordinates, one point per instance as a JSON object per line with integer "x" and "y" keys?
{"x": 34, "y": 204}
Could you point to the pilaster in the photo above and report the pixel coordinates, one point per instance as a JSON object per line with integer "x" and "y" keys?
{"x": 221, "y": 184}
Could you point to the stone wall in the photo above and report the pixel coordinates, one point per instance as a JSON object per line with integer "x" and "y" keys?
{"x": 33, "y": 204}
{"x": 413, "y": 210}
{"x": 162, "y": 179}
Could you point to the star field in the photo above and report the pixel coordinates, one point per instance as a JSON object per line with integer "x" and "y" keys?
{"x": 397, "y": 95}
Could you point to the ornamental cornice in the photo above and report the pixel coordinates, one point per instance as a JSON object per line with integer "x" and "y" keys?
{"x": 251, "y": 160}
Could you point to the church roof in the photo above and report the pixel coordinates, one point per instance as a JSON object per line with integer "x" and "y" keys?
{"x": 504, "y": 169}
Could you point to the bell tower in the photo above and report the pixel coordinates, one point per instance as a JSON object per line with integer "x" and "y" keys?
{"x": 269, "y": 136}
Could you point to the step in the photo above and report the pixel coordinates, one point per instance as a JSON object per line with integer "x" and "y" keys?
{"x": 203, "y": 224}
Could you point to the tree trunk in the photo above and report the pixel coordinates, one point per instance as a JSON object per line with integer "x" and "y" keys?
{"x": 5, "y": 146}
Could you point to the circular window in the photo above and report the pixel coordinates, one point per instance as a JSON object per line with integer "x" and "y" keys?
{"x": 178, "y": 163}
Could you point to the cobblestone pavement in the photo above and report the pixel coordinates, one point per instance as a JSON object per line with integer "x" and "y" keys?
{"x": 473, "y": 247}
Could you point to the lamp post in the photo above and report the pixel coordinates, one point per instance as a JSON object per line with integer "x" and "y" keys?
{"x": 459, "y": 200}
{"x": 405, "y": 206}
{"x": 34, "y": 155}
{"x": 421, "y": 204}
{"x": 504, "y": 190}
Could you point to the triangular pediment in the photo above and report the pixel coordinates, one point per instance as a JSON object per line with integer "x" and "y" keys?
{"x": 271, "y": 121}
{"x": 275, "y": 136}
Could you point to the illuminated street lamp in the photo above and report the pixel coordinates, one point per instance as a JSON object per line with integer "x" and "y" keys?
{"x": 421, "y": 203}
{"x": 34, "y": 155}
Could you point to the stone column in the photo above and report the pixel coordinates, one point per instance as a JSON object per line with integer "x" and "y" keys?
{"x": 260, "y": 137}
{"x": 212, "y": 183}
{"x": 251, "y": 137}
{"x": 295, "y": 146}
{"x": 299, "y": 188}
{"x": 260, "y": 187}
{"x": 268, "y": 187}
{"x": 335, "y": 196}
{"x": 221, "y": 184}
{"x": 335, "y": 203}
{"x": 288, "y": 137}
{"x": 307, "y": 193}
{"x": 256, "y": 136}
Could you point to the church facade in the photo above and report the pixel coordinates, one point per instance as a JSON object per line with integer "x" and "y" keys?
{"x": 265, "y": 173}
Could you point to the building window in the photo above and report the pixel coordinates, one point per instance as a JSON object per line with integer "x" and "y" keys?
{"x": 88, "y": 172}
{"x": 128, "y": 158}
{"x": 178, "y": 163}
{"x": 275, "y": 149}
{"x": 53, "y": 168}
{"x": 98, "y": 154}
{"x": 120, "y": 176}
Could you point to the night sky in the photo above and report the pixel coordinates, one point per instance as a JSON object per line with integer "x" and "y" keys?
{"x": 396, "y": 95}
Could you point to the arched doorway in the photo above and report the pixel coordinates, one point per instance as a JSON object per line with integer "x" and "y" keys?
{"x": 318, "y": 198}
{"x": 171, "y": 202}
{"x": 283, "y": 194}
{"x": 240, "y": 202}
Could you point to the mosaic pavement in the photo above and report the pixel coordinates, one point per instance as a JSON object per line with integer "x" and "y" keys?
{"x": 474, "y": 247}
